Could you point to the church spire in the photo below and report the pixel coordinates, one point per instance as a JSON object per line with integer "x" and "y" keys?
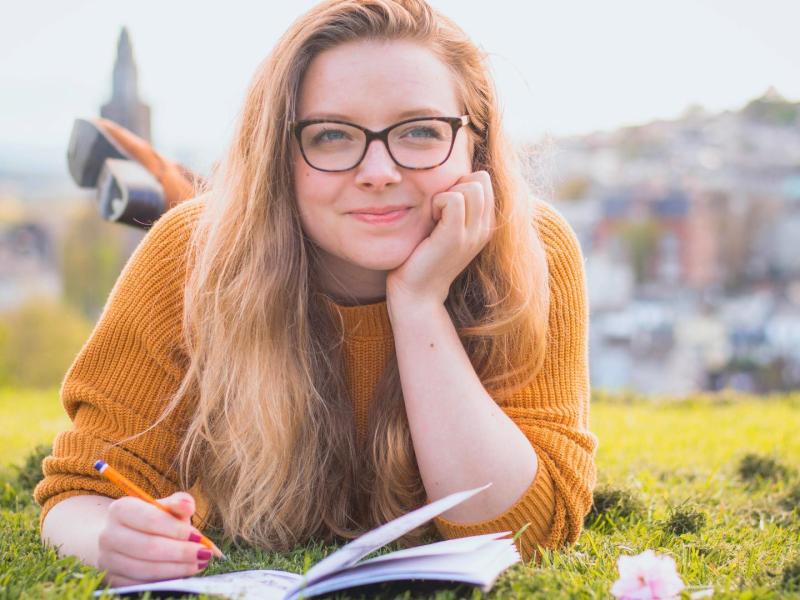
{"x": 125, "y": 107}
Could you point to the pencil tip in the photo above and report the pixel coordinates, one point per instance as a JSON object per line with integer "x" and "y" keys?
{"x": 222, "y": 556}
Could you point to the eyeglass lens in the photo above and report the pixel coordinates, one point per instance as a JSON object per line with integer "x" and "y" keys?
{"x": 416, "y": 145}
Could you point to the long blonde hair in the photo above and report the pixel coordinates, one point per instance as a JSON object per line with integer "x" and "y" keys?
{"x": 272, "y": 422}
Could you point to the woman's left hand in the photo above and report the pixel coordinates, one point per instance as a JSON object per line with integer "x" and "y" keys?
{"x": 465, "y": 220}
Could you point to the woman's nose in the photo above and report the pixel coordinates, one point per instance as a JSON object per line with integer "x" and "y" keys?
{"x": 377, "y": 169}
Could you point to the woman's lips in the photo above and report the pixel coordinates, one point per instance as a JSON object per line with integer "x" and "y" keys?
{"x": 389, "y": 217}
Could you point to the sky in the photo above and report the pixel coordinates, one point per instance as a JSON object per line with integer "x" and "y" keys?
{"x": 561, "y": 68}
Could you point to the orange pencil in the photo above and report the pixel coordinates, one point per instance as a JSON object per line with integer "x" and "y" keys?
{"x": 130, "y": 488}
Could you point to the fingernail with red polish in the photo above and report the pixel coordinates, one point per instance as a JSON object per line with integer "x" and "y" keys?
{"x": 202, "y": 566}
{"x": 194, "y": 537}
{"x": 204, "y": 554}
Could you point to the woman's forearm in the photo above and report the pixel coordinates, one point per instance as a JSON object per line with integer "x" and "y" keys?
{"x": 461, "y": 437}
{"x": 73, "y": 526}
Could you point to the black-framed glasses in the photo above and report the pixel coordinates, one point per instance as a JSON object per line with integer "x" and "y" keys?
{"x": 419, "y": 143}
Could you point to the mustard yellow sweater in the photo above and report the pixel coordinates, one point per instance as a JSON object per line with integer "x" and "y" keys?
{"x": 118, "y": 383}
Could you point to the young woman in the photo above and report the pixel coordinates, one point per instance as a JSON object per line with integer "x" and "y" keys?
{"x": 365, "y": 310}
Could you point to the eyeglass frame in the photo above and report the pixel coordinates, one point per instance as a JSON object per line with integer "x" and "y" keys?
{"x": 456, "y": 123}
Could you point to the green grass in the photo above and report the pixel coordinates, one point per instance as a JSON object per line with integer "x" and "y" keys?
{"x": 712, "y": 481}
{"x": 28, "y": 417}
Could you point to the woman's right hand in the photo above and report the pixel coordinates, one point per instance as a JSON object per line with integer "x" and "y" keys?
{"x": 140, "y": 543}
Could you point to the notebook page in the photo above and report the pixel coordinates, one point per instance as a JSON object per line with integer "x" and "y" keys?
{"x": 349, "y": 554}
{"x": 481, "y": 568}
{"x": 259, "y": 584}
{"x": 453, "y": 546}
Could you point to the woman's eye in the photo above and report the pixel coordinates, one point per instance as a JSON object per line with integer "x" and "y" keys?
{"x": 422, "y": 132}
{"x": 330, "y": 135}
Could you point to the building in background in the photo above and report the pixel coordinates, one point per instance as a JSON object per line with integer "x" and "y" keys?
{"x": 125, "y": 107}
{"x": 689, "y": 228}
{"x": 35, "y": 214}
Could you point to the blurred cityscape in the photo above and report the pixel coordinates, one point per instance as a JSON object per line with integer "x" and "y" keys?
{"x": 688, "y": 227}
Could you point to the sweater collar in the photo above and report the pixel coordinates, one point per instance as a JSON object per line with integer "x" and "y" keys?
{"x": 363, "y": 320}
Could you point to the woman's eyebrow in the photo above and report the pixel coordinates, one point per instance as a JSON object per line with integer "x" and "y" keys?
{"x": 406, "y": 114}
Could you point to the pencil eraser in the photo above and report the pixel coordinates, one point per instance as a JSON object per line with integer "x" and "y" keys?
{"x": 99, "y": 465}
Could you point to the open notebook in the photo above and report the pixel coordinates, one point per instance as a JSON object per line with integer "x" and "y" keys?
{"x": 477, "y": 560}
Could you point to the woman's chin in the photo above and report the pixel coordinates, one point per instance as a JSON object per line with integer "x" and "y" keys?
{"x": 383, "y": 260}
{"x": 380, "y": 263}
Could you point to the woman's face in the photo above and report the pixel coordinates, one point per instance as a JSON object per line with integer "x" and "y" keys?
{"x": 374, "y": 84}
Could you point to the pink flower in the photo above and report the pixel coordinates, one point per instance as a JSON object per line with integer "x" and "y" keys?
{"x": 647, "y": 576}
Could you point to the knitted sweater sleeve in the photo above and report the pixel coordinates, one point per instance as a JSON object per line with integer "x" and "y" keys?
{"x": 125, "y": 373}
{"x": 553, "y": 412}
